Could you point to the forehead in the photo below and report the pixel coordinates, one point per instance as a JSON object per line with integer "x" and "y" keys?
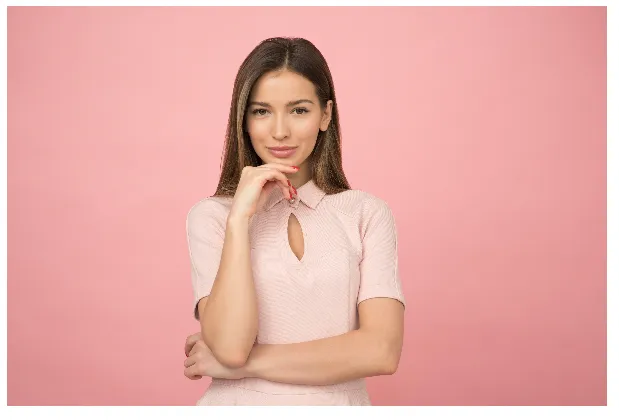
{"x": 282, "y": 86}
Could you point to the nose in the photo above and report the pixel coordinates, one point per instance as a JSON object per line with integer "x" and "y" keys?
{"x": 280, "y": 127}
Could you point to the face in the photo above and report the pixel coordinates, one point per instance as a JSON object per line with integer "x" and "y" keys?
{"x": 284, "y": 111}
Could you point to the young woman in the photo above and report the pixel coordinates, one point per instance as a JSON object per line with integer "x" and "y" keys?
{"x": 295, "y": 274}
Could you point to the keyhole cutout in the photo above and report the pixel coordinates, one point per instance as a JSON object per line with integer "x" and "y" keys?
{"x": 295, "y": 237}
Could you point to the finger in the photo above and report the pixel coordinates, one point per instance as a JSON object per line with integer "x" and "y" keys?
{"x": 191, "y": 340}
{"x": 191, "y": 374}
{"x": 196, "y": 348}
{"x": 272, "y": 177}
{"x": 280, "y": 166}
{"x": 190, "y": 361}
{"x": 281, "y": 179}
{"x": 188, "y": 347}
{"x": 193, "y": 371}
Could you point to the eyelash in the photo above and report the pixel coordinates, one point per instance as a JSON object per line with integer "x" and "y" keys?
{"x": 255, "y": 111}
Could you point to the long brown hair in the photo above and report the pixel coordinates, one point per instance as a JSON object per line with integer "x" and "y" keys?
{"x": 302, "y": 57}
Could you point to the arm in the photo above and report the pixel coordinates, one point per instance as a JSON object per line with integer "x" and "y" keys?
{"x": 222, "y": 271}
{"x": 373, "y": 349}
{"x": 229, "y": 317}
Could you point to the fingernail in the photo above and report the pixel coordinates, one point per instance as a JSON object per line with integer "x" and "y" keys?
{"x": 289, "y": 184}
{"x": 295, "y": 191}
{"x": 296, "y": 167}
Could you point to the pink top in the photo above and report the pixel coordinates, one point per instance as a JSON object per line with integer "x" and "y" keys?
{"x": 350, "y": 255}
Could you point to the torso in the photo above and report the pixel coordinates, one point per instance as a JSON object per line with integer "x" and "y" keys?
{"x": 306, "y": 271}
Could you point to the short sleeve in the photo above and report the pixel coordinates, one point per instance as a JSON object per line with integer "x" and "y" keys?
{"x": 379, "y": 272}
{"x": 205, "y": 237}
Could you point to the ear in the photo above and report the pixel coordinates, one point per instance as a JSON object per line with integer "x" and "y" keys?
{"x": 326, "y": 116}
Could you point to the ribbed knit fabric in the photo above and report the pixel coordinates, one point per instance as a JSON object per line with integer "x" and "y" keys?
{"x": 350, "y": 255}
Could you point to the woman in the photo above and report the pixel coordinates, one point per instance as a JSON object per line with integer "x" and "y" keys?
{"x": 295, "y": 274}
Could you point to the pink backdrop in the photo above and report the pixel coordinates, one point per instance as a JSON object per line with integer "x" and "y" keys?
{"x": 497, "y": 178}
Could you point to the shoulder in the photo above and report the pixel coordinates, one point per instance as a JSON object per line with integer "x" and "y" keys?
{"x": 210, "y": 209}
{"x": 358, "y": 203}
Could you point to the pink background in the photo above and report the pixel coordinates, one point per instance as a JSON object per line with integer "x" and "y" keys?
{"x": 495, "y": 124}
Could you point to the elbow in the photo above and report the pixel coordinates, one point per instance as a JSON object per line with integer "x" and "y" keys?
{"x": 390, "y": 366}
{"x": 231, "y": 358}
{"x": 390, "y": 358}
{"x": 233, "y": 361}
{"x": 228, "y": 351}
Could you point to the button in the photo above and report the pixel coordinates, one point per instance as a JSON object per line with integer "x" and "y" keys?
{"x": 294, "y": 202}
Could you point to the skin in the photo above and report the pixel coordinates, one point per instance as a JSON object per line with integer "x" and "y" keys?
{"x": 280, "y": 124}
{"x": 375, "y": 348}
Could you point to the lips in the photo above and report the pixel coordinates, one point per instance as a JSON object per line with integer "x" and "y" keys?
{"x": 281, "y": 148}
{"x": 282, "y": 151}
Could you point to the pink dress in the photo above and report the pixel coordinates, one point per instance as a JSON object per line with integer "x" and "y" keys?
{"x": 350, "y": 254}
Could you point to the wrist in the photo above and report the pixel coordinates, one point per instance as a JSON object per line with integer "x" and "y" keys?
{"x": 237, "y": 220}
{"x": 251, "y": 367}
{"x": 242, "y": 372}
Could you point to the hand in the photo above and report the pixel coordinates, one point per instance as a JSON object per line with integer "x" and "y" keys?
{"x": 255, "y": 185}
{"x": 201, "y": 362}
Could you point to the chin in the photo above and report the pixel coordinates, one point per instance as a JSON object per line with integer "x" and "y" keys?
{"x": 284, "y": 161}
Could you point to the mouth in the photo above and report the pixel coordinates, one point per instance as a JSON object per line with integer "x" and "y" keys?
{"x": 282, "y": 151}
{"x": 281, "y": 148}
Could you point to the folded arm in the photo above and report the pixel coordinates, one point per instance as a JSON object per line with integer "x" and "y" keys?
{"x": 223, "y": 281}
{"x": 374, "y": 349}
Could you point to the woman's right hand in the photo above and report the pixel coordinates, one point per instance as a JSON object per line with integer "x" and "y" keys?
{"x": 256, "y": 183}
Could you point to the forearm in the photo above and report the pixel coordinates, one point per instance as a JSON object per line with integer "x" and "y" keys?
{"x": 357, "y": 354}
{"x": 229, "y": 318}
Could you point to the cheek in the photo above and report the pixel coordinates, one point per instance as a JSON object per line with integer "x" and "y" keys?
{"x": 258, "y": 133}
{"x": 307, "y": 129}
{"x": 257, "y": 128}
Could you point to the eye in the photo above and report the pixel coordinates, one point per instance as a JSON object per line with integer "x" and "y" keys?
{"x": 301, "y": 109}
{"x": 256, "y": 111}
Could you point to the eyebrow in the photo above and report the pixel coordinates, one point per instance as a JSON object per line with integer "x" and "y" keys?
{"x": 291, "y": 103}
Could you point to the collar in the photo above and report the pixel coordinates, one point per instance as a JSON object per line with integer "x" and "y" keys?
{"x": 309, "y": 193}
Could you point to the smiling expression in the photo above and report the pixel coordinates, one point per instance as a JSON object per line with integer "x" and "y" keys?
{"x": 284, "y": 111}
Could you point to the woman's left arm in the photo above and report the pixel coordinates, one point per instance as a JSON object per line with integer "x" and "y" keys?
{"x": 373, "y": 349}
